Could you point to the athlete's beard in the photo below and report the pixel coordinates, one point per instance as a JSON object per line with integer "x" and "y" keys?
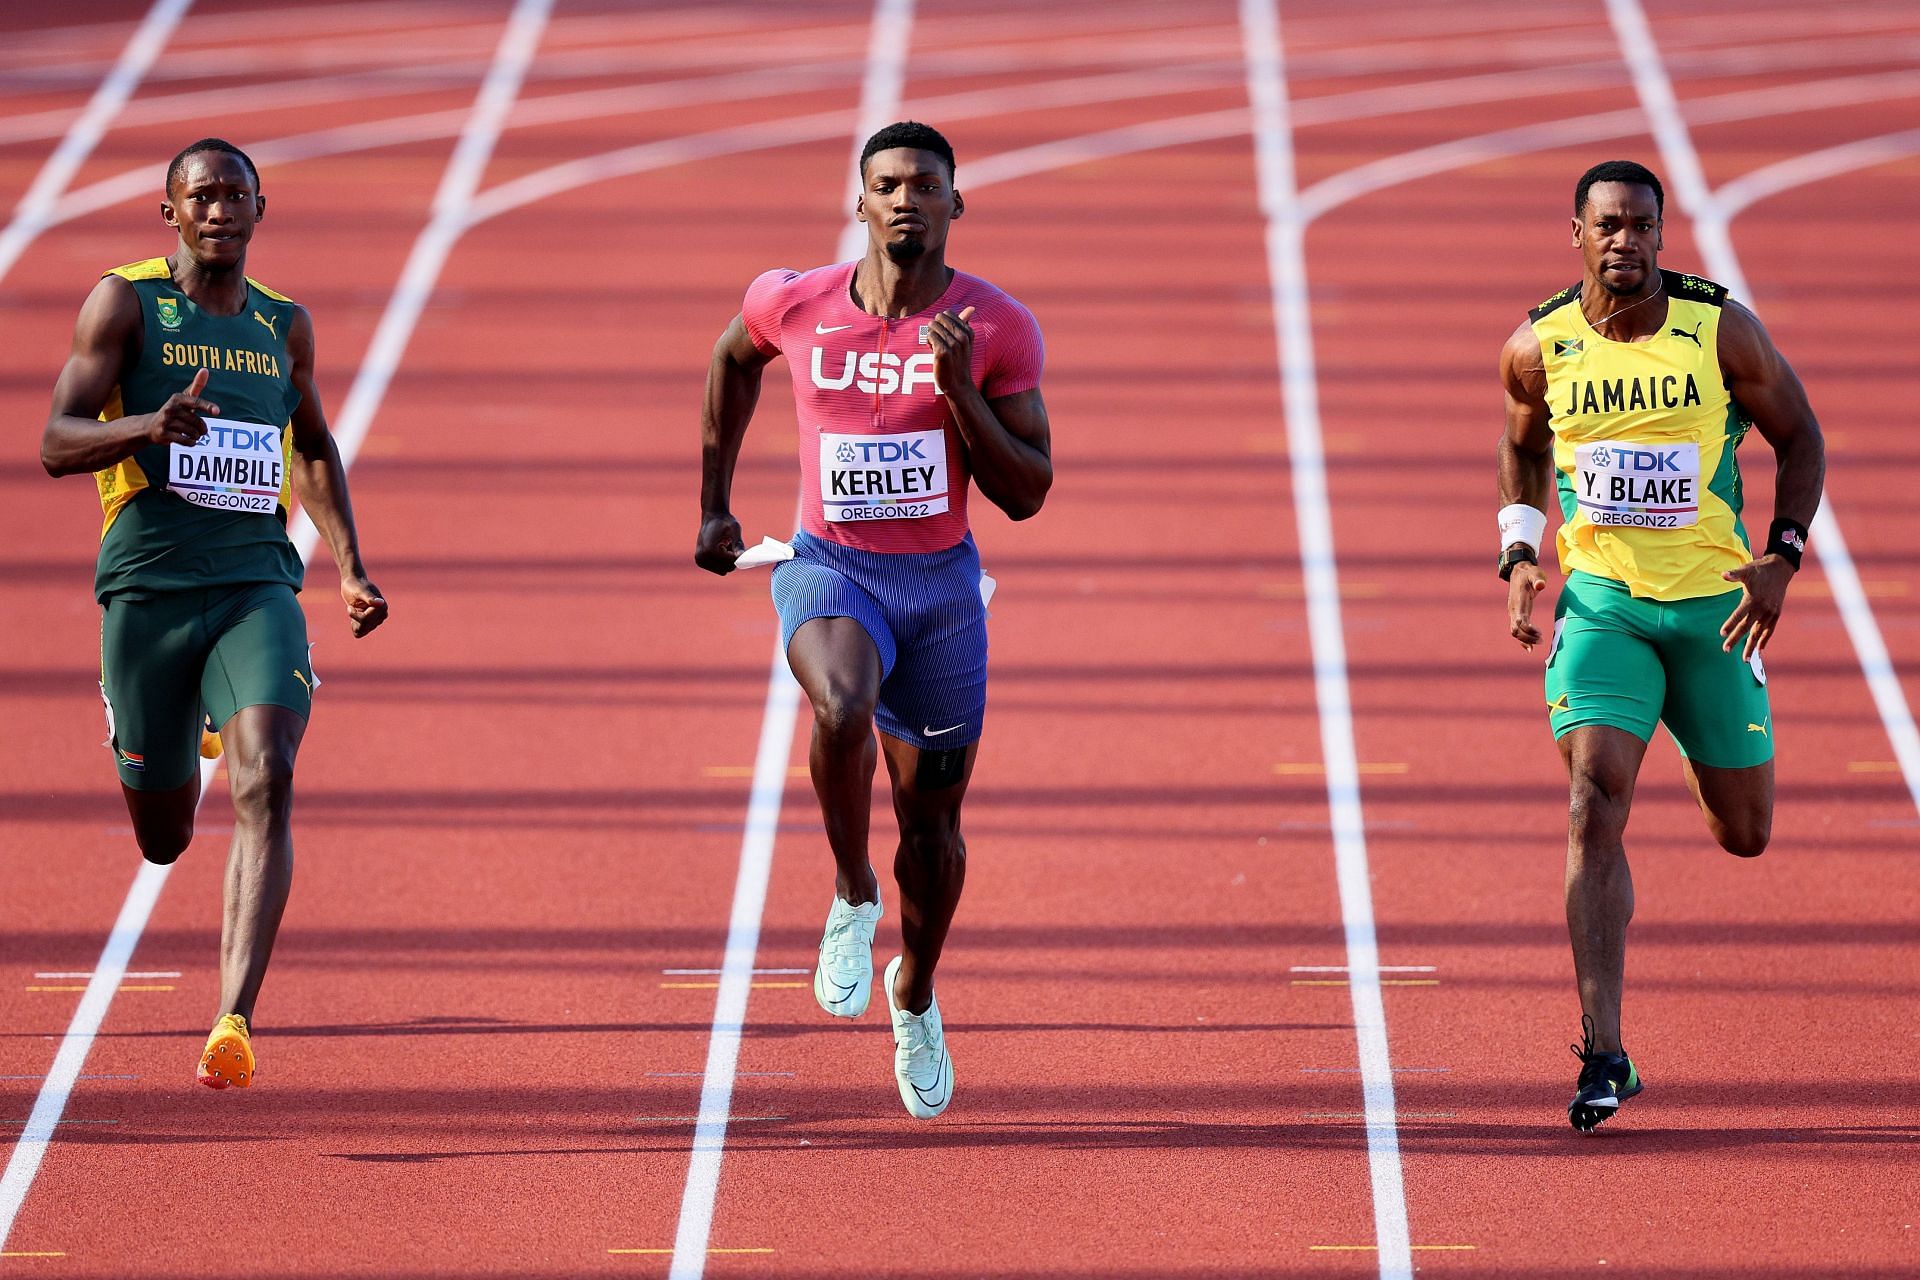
{"x": 905, "y": 251}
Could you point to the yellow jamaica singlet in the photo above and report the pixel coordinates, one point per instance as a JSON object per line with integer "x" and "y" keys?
{"x": 1644, "y": 435}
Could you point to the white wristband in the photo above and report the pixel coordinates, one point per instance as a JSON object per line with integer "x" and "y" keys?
{"x": 1522, "y": 523}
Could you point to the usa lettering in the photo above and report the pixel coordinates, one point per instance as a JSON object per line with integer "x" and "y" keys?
{"x": 876, "y": 373}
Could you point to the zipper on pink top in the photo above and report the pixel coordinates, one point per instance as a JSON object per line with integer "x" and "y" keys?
{"x": 879, "y": 401}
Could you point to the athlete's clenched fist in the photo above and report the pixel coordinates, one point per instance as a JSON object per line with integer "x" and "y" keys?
{"x": 719, "y": 544}
{"x": 179, "y": 420}
{"x": 951, "y": 338}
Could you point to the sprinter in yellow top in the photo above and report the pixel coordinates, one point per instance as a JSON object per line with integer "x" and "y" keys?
{"x": 1628, "y": 395}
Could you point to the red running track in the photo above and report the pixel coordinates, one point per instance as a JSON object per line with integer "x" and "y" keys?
{"x": 521, "y": 803}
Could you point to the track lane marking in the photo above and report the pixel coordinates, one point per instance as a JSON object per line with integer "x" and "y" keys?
{"x": 1286, "y": 221}
{"x": 1713, "y": 233}
{"x": 881, "y": 88}
{"x": 84, "y": 134}
{"x": 463, "y": 171}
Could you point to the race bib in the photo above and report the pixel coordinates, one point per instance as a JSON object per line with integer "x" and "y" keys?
{"x": 1644, "y": 486}
{"x": 898, "y": 477}
{"x": 236, "y": 466}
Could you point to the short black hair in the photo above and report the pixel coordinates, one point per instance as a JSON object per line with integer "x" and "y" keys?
{"x": 179, "y": 166}
{"x": 1626, "y": 171}
{"x": 908, "y": 133}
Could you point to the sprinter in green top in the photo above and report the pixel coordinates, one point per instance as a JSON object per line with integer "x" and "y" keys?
{"x": 189, "y": 395}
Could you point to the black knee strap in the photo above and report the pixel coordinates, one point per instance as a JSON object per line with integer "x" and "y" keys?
{"x": 938, "y": 770}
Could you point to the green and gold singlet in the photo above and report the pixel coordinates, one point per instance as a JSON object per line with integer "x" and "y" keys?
{"x": 214, "y": 514}
{"x": 1644, "y": 435}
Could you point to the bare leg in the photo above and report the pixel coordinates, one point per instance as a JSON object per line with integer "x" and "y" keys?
{"x": 163, "y": 820}
{"x": 261, "y": 743}
{"x": 1602, "y": 766}
{"x": 836, "y": 663}
{"x": 931, "y": 861}
{"x": 1738, "y": 804}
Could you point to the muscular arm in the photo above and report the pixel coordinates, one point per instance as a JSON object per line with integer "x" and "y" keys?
{"x": 1009, "y": 441}
{"x": 321, "y": 481}
{"x": 733, "y": 389}
{"x": 1525, "y": 464}
{"x": 106, "y": 340}
{"x": 1765, "y": 386}
{"x": 1526, "y": 446}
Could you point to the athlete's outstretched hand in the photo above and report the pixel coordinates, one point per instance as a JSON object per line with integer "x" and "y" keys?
{"x": 366, "y": 607}
{"x": 951, "y": 338}
{"x": 179, "y": 420}
{"x": 1763, "y": 591}
{"x": 719, "y": 544}
{"x": 1526, "y": 583}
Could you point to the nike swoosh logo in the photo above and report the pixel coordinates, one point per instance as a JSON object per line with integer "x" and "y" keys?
{"x": 940, "y": 1091}
{"x": 824, "y": 329}
{"x": 934, "y": 733}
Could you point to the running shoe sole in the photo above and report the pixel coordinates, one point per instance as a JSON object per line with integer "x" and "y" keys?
{"x": 227, "y": 1062}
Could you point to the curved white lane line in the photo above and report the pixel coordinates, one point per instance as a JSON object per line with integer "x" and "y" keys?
{"x": 1712, "y": 230}
{"x": 462, "y": 174}
{"x": 1737, "y": 196}
{"x": 431, "y": 126}
{"x": 30, "y": 216}
{"x": 452, "y": 203}
{"x": 1287, "y": 276}
{"x": 628, "y": 161}
{"x": 1745, "y": 104}
{"x": 880, "y": 92}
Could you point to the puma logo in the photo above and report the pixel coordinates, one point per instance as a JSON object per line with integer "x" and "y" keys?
{"x": 269, "y": 323}
{"x": 1757, "y": 728}
{"x": 297, "y": 675}
{"x": 1693, "y": 337}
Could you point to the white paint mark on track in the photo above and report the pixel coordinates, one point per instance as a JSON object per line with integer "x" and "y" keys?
{"x": 1287, "y": 277}
{"x": 30, "y": 216}
{"x": 880, "y": 94}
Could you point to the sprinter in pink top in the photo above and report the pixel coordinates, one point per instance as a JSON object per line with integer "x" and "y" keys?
{"x": 912, "y": 381}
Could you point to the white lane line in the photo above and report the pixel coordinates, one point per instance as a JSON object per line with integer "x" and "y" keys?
{"x": 1816, "y": 166}
{"x": 30, "y": 1148}
{"x": 545, "y": 183}
{"x": 29, "y": 217}
{"x": 452, "y": 205}
{"x": 1287, "y": 278}
{"x": 1712, "y": 229}
{"x": 431, "y": 126}
{"x": 880, "y": 93}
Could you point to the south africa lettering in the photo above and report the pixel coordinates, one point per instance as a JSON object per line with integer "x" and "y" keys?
{"x": 200, "y": 355}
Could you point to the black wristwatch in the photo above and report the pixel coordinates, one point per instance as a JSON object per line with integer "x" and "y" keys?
{"x": 1518, "y": 553}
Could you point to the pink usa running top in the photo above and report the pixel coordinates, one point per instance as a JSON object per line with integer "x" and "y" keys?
{"x": 882, "y": 466}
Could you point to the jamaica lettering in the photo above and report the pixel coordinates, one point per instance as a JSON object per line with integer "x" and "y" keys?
{"x": 1630, "y": 395}
{"x": 199, "y": 355}
{"x": 236, "y": 466}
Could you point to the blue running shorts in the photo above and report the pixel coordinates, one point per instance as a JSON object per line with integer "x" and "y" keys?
{"x": 924, "y": 613}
